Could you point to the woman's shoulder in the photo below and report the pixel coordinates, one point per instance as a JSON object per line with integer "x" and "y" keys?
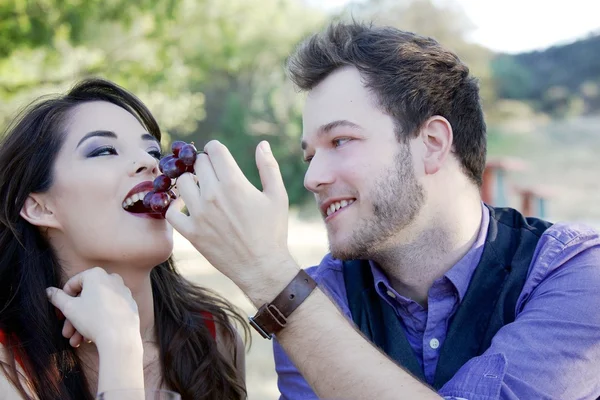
{"x": 8, "y": 390}
{"x": 5, "y": 341}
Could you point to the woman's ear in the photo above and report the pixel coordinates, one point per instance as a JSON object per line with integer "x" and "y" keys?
{"x": 37, "y": 211}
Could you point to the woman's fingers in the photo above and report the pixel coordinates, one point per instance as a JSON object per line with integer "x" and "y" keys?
{"x": 68, "y": 329}
{"x": 76, "y": 340}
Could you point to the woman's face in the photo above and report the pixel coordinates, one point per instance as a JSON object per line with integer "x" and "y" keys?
{"x": 105, "y": 157}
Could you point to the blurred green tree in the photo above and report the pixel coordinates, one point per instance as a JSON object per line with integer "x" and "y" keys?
{"x": 206, "y": 68}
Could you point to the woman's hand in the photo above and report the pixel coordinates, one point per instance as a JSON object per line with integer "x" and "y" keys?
{"x": 97, "y": 306}
{"x": 101, "y": 308}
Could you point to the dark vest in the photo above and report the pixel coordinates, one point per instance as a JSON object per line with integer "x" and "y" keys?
{"x": 489, "y": 303}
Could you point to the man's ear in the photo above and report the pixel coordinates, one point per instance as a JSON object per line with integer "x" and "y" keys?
{"x": 38, "y": 212}
{"x": 438, "y": 139}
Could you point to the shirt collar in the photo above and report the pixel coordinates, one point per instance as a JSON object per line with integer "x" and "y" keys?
{"x": 461, "y": 273}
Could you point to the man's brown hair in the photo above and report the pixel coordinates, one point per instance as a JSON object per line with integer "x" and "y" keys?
{"x": 413, "y": 78}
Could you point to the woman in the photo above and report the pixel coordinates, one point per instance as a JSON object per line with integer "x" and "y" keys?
{"x": 75, "y": 242}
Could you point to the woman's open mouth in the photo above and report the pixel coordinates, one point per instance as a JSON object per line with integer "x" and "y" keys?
{"x": 134, "y": 202}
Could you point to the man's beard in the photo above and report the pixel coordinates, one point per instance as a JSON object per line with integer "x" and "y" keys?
{"x": 397, "y": 198}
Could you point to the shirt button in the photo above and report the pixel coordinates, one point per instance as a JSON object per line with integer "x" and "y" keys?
{"x": 434, "y": 343}
{"x": 392, "y": 295}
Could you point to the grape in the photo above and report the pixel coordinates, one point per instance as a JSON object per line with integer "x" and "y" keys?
{"x": 159, "y": 201}
{"x": 174, "y": 168}
{"x": 163, "y": 161}
{"x": 161, "y": 183}
{"x": 176, "y": 147}
{"x": 187, "y": 154}
{"x": 147, "y": 198}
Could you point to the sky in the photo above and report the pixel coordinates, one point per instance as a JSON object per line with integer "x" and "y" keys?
{"x": 514, "y": 26}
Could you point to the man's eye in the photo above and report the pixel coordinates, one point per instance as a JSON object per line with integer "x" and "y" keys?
{"x": 340, "y": 141}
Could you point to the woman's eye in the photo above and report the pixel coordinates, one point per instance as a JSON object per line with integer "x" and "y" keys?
{"x": 103, "y": 151}
{"x": 156, "y": 154}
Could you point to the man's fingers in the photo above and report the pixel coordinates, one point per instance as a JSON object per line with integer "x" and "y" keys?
{"x": 189, "y": 192}
{"x": 224, "y": 165}
{"x": 268, "y": 169}
{"x": 207, "y": 178}
{"x": 179, "y": 221}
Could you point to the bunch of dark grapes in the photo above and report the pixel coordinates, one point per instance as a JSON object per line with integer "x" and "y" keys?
{"x": 172, "y": 166}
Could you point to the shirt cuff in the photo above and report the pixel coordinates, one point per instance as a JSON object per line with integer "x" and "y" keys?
{"x": 479, "y": 379}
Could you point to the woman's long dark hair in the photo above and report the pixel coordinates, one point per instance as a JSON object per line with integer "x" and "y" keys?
{"x": 190, "y": 361}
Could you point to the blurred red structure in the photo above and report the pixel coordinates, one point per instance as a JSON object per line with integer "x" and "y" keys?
{"x": 533, "y": 200}
{"x": 495, "y": 188}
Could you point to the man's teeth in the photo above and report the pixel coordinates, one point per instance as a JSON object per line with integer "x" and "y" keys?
{"x": 333, "y": 207}
{"x": 136, "y": 197}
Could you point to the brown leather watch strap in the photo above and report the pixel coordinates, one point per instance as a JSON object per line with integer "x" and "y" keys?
{"x": 272, "y": 317}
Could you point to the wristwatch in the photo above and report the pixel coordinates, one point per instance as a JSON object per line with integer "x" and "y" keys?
{"x": 272, "y": 317}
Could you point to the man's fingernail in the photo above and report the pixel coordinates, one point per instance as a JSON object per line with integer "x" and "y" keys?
{"x": 265, "y": 147}
{"x": 48, "y": 292}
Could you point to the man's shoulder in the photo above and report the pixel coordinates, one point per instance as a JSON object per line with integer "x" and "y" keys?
{"x": 572, "y": 234}
{"x": 564, "y": 241}
{"x": 566, "y": 251}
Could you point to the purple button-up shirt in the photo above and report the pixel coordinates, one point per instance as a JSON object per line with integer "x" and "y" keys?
{"x": 550, "y": 351}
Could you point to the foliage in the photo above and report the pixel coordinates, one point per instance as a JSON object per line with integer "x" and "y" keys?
{"x": 212, "y": 69}
{"x": 174, "y": 55}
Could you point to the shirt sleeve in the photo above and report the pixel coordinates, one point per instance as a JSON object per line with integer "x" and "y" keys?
{"x": 291, "y": 384}
{"x": 552, "y": 349}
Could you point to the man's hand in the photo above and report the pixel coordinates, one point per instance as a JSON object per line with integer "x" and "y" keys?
{"x": 241, "y": 230}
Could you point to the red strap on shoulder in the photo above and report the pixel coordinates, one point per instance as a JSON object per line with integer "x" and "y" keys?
{"x": 210, "y": 323}
{"x": 4, "y": 341}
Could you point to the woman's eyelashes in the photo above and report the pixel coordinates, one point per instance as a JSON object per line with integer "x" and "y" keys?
{"x": 111, "y": 151}
{"x": 103, "y": 151}
{"x": 155, "y": 153}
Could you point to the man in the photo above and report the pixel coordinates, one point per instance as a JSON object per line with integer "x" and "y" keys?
{"x": 440, "y": 295}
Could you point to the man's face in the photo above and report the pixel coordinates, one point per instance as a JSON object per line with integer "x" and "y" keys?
{"x": 362, "y": 177}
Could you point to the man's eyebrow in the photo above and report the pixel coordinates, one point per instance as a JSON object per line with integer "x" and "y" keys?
{"x": 328, "y": 127}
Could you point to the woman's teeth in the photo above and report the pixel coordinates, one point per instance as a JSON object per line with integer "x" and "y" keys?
{"x": 333, "y": 207}
{"x": 136, "y": 197}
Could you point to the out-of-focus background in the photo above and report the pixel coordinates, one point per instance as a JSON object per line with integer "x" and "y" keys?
{"x": 213, "y": 69}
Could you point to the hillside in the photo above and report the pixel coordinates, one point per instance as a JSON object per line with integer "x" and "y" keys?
{"x": 561, "y": 80}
